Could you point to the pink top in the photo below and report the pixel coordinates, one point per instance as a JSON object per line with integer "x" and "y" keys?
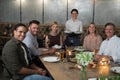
{"x": 92, "y": 43}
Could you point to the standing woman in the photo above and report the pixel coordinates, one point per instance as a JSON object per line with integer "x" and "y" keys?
{"x": 92, "y": 39}
{"x": 54, "y": 37}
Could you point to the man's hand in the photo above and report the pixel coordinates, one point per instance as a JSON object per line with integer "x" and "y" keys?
{"x": 52, "y": 50}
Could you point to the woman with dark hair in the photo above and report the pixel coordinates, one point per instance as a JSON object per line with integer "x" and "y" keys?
{"x": 54, "y": 37}
{"x": 92, "y": 39}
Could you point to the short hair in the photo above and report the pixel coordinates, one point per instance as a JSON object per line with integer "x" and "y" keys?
{"x": 18, "y": 25}
{"x": 110, "y": 24}
{"x": 34, "y": 21}
{"x": 74, "y": 10}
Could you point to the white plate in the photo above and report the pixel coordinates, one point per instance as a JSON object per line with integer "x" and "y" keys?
{"x": 67, "y": 31}
{"x": 77, "y": 32}
{"x": 57, "y": 46}
{"x": 115, "y": 69}
{"x": 43, "y": 49}
{"x": 77, "y": 49}
{"x": 51, "y": 59}
{"x": 92, "y": 78}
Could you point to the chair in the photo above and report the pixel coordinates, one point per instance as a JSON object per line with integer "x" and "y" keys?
{"x": 10, "y": 74}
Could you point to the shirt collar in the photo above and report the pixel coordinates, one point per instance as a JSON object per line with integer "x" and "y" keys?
{"x": 113, "y": 37}
{"x": 75, "y": 20}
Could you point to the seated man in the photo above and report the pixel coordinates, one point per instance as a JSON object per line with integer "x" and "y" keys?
{"x": 18, "y": 61}
{"x": 31, "y": 40}
{"x": 111, "y": 45}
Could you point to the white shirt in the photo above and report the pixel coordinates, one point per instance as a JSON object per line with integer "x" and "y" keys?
{"x": 111, "y": 47}
{"x": 25, "y": 54}
{"x": 74, "y": 26}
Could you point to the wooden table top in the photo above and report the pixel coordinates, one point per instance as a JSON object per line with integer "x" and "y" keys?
{"x": 62, "y": 71}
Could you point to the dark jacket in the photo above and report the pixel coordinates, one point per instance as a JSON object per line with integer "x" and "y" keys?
{"x": 13, "y": 57}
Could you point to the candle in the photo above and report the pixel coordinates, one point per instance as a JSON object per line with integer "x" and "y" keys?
{"x": 104, "y": 70}
{"x": 68, "y": 52}
{"x": 103, "y": 66}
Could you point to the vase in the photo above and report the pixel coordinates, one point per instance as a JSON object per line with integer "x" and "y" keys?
{"x": 83, "y": 73}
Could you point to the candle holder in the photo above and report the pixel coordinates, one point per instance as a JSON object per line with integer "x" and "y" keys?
{"x": 104, "y": 66}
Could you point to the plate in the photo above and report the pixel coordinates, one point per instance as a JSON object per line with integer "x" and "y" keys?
{"x": 57, "y": 46}
{"x": 115, "y": 69}
{"x": 92, "y": 78}
{"x": 67, "y": 31}
{"x": 78, "y": 49}
{"x": 77, "y": 32}
{"x": 51, "y": 59}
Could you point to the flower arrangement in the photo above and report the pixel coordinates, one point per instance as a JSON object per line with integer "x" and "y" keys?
{"x": 84, "y": 58}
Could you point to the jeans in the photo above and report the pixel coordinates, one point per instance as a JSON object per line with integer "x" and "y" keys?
{"x": 36, "y": 77}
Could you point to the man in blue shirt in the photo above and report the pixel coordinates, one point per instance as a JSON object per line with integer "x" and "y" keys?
{"x": 31, "y": 40}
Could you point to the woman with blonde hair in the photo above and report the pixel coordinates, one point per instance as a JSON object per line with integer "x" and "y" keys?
{"x": 54, "y": 37}
{"x": 92, "y": 39}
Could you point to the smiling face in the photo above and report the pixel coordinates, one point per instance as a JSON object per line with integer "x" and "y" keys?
{"x": 74, "y": 15}
{"x": 109, "y": 31}
{"x": 33, "y": 28}
{"x": 91, "y": 28}
{"x": 20, "y": 33}
{"x": 54, "y": 27}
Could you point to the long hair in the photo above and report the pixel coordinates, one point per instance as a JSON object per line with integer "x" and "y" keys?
{"x": 87, "y": 32}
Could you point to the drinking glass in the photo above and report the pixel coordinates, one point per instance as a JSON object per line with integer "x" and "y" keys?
{"x": 68, "y": 54}
{"x": 61, "y": 55}
{"x": 95, "y": 51}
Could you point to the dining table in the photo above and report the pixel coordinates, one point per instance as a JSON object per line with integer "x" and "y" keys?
{"x": 67, "y": 70}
